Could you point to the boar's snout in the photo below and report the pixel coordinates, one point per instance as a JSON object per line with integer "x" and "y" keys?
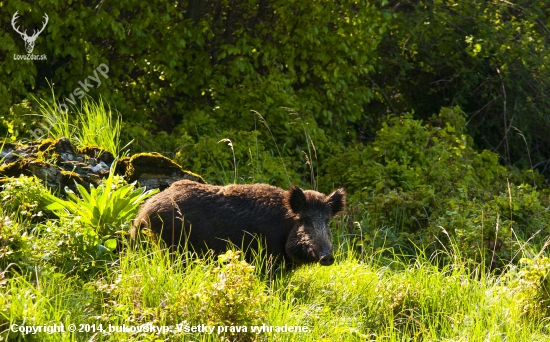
{"x": 326, "y": 260}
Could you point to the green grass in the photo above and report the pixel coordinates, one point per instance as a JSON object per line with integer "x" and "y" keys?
{"x": 56, "y": 120}
{"x": 98, "y": 127}
{"x": 379, "y": 300}
{"x": 92, "y": 123}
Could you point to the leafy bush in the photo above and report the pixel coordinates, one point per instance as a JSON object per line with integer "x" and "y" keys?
{"x": 235, "y": 296}
{"x": 533, "y": 286}
{"x": 69, "y": 246}
{"x": 80, "y": 242}
{"x": 21, "y": 119}
{"x": 16, "y": 252}
{"x": 489, "y": 58}
{"x": 214, "y": 159}
{"x": 426, "y": 181}
{"x": 84, "y": 238}
{"x": 52, "y": 246}
{"x": 143, "y": 140}
{"x": 24, "y": 197}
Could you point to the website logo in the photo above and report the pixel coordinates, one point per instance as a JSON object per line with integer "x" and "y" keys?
{"x": 29, "y": 40}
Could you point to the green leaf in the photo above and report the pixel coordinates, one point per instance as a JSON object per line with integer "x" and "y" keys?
{"x": 111, "y": 244}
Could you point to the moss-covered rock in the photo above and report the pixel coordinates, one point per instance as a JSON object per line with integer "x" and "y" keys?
{"x": 45, "y": 171}
{"x": 57, "y": 151}
{"x": 69, "y": 178}
{"x": 154, "y": 170}
{"x": 60, "y": 164}
{"x": 98, "y": 154}
{"x": 122, "y": 165}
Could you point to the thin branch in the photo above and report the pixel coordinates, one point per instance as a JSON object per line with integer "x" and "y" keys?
{"x": 506, "y": 127}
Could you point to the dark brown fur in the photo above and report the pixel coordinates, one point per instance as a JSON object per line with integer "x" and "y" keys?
{"x": 293, "y": 223}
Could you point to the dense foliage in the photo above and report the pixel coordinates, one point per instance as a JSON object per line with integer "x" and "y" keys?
{"x": 88, "y": 230}
{"x": 199, "y": 68}
{"x": 426, "y": 181}
{"x": 205, "y": 74}
{"x": 488, "y": 57}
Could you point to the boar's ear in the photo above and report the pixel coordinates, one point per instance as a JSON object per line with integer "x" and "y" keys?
{"x": 295, "y": 199}
{"x": 337, "y": 201}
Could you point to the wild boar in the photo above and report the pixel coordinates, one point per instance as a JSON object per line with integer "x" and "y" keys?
{"x": 293, "y": 223}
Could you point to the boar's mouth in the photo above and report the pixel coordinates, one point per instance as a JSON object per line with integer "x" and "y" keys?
{"x": 300, "y": 247}
{"x": 326, "y": 259}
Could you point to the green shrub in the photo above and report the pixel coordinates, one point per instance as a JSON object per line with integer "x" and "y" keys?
{"x": 84, "y": 238}
{"x": 489, "y": 58}
{"x": 207, "y": 73}
{"x": 28, "y": 244}
{"x": 16, "y": 123}
{"x": 16, "y": 246}
{"x": 69, "y": 246}
{"x": 235, "y": 296}
{"x": 426, "y": 181}
{"x": 23, "y": 197}
{"x": 143, "y": 140}
{"x": 214, "y": 160}
{"x": 64, "y": 245}
{"x": 532, "y": 284}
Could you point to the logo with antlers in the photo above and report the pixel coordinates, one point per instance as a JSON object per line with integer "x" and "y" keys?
{"x": 29, "y": 40}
